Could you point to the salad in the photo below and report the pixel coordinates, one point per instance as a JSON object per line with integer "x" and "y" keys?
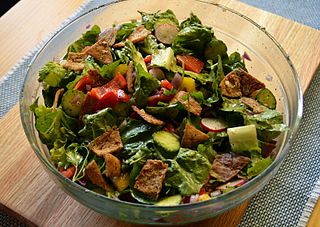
{"x": 156, "y": 111}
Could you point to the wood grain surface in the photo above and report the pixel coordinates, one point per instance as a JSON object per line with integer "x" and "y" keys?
{"x": 24, "y": 185}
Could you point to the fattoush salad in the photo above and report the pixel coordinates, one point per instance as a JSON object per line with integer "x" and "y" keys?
{"x": 156, "y": 111}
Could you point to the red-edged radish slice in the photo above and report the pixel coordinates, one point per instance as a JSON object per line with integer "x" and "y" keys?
{"x": 214, "y": 124}
{"x": 236, "y": 183}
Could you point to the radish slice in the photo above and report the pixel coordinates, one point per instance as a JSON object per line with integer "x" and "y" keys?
{"x": 236, "y": 183}
{"x": 214, "y": 124}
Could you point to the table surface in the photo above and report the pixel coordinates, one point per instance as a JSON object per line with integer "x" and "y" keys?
{"x": 30, "y": 21}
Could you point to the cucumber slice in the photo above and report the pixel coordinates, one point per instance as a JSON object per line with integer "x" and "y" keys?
{"x": 266, "y": 98}
{"x": 72, "y": 101}
{"x": 169, "y": 144}
{"x": 243, "y": 138}
{"x": 170, "y": 201}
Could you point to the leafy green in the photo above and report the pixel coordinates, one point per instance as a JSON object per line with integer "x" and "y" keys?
{"x": 151, "y": 20}
{"x": 87, "y": 39}
{"x": 258, "y": 166}
{"x": 144, "y": 85}
{"x": 207, "y": 150}
{"x": 165, "y": 58}
{"x": 54, "y": 125}
{"x": 58, "y": 154}
{"x": 150, "y": 45}
{"x": 51, "y": 74}
{"x": 106, "y": 71}
{"x": 97, "y": 123}
{"x": 130, "y": 51}
{"x": 188, "y": 172}
{"x": 136, "y": 131}
{"x": 169, "y": 111}
{"x": 125, "y": 30}
{"x": 214, "y": 49}
{"x": 192, "y": 40}
{"x": 233, "y": 62}
{"x": 269, "y": 124}
{"x": 192, "y": 20}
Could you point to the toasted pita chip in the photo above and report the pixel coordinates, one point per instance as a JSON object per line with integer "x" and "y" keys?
{"x": 192, "y": 136}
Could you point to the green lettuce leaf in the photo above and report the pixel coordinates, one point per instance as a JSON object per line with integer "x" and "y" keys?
{"x": 188, "y": 172}
{"x": 151, "y": 20}
{"x": 87, "y": 39}
{"x": 51, "y": 74}
{"x": 144, "y": 85}
{"x": 192, "y": 40}
{"x": 97, "y": 123}
{"x": 125, "y": 30}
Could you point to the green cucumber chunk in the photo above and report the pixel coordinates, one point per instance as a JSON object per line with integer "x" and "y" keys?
{"x": 266, "y": 98}
{"x": 167, "y": 143}
{"x": 170, "y": 201}
{"x": 243, "y": 138}
{"x": 72, "y": 101}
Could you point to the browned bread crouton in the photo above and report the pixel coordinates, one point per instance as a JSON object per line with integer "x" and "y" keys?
{"x": 253, "y": 105}
{"x": 138, "y": 35}
{"x": 113, "y": 165}
{"x": 249, "y": 83}
{"x": 230, "y": 85}
{"x": 226, "y": 166}
{"x": 188, "y": 102}
{"x": 150, "y": 178}
{"x": 100, "y": 51}
{"x": 147, "y": 117}
{"x": 108, "y": 142}
{"x": 192, "y": 136}
{"x": 93, "y": 174}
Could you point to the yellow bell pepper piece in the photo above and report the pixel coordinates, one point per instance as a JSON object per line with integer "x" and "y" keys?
{"x": 189, "y": 84}
{"x": 122, "y": 69}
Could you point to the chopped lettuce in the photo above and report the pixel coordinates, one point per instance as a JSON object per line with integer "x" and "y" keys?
{"x": 144, "y": 85}
{"x": 97, "y": 123}
{"x": 150, "y": 45}
{"x": 192, "y": 40}
{"x": 188, "y": 172}
{"x": 192, "y": 20}
{"x": 106, "y": 71}
{"x": 51, "y": 74}
{"x": 125, "y": 30}
{"x": 54, "y": 125}
{"x": 151, "y": 20}
{"x": 131, "y": 51}
{"x": 258, "y": 166}
{"x": 87, "y": 39}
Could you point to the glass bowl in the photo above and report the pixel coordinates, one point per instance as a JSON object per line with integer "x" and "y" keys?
{"x": 269, "y": 63}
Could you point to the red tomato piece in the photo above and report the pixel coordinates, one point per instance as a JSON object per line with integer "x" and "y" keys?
{"x": 190, "y": 63}
{"x": 148, "y": 59}
{"x": 69, "y": 172}
{"x": 117, "y": 81}
{"x": 166, "y": 84}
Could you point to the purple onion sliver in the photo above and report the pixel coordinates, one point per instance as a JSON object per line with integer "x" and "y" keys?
{"x": 176, "y": 81}
{"x": 88, "y": 26}
{"x": 82, "y": 182}
{"x": 246, "y": 56}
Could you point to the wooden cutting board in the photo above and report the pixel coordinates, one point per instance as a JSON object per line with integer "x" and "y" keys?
{"x": 26, "y": 188}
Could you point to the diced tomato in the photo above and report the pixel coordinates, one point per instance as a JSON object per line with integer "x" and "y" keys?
{"x": 92, "y": 79}
{"x": 82, "y": 83}
{"x": 108, "y": 97}
{"x": 154, "y": 99}
{"x": 202, "y": 191}
{"x": 117, "y": 82}
{"x": 190, "y": 63}
{"x": 166, "y": 84}
{"x": 69, "y": 172}
{"x": 148, "y": 59}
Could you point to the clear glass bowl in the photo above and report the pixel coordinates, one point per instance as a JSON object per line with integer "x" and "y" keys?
{"x": 269, "y": 64}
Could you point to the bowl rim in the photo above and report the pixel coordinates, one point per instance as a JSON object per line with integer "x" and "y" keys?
{"x": 220, "y": 198}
